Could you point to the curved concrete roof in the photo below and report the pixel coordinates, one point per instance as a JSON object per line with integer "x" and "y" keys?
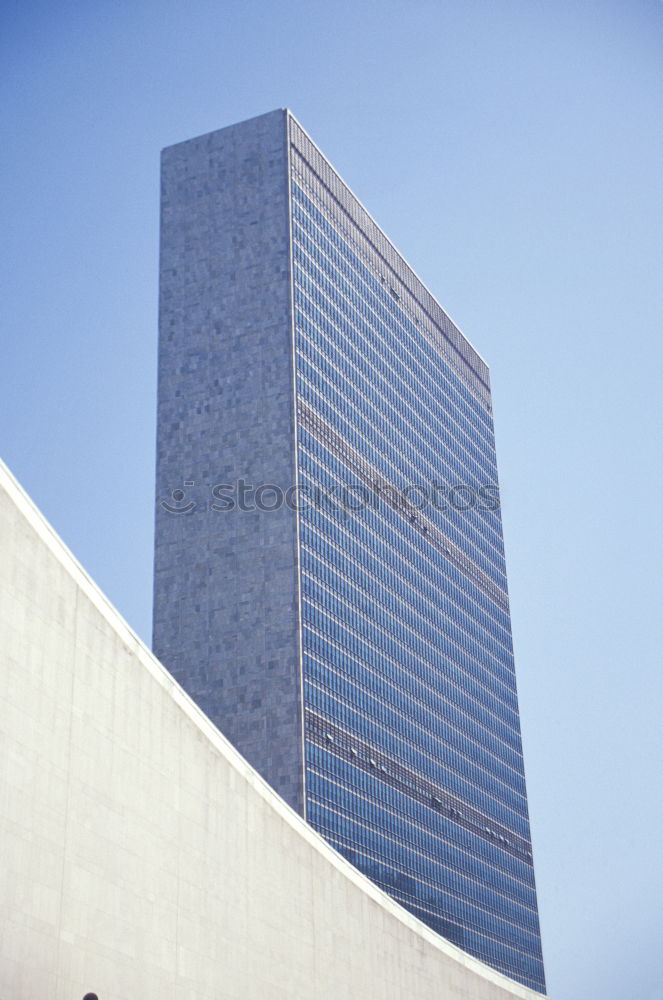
{"x": 143, "y": 856}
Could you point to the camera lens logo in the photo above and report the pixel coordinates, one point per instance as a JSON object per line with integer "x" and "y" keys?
{"x": 177, "y": 506}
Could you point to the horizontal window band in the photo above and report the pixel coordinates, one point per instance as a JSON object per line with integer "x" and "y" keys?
{"x": 370, "y": 759}
{"x": 385, "y": 491}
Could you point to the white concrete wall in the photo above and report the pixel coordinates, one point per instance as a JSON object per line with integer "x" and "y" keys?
{"x": 142, "y": 858}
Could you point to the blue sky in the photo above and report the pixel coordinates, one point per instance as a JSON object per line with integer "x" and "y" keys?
{"x": 513, "y": 153}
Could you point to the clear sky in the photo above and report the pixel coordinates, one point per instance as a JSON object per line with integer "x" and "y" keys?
{"x": 513, "y": 152}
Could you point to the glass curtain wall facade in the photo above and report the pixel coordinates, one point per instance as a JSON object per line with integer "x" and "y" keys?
{"x": 410, "y": 753}
{"x": 414, "y": 767}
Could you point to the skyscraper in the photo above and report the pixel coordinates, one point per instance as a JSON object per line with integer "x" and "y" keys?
{"x": 329, "y": 573}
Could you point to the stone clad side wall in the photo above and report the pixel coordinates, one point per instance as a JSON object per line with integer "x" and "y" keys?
{"x": 226, "y": 611}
